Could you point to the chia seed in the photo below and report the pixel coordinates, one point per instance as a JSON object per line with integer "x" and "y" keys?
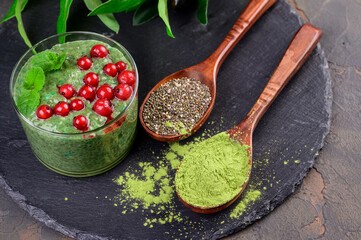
{"x": 176, "y": 106}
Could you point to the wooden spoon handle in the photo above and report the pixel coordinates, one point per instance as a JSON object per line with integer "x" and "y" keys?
{"x": 245, "y": 21}
{"x": 296, "y": 54}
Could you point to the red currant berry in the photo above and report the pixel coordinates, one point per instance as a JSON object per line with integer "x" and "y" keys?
{"x": 127, "y": 77}
{"x": 103, "y": 107}
{"x": 81, "y": 123}
{"x": 105, "y": 91}
{"x": 62, "y": 109}
{"x": 98, "y": 51}
{"x": 77, "y": 104}
{"x": 123, "y": 91}
{"x": 84, "y": 63}
{"x": 67, "y": 90}
{"x": 121, "y": 66}
{"x": 44, "y": 112}
{"x": 87, "y": 92}
{"x": 110, "y": 69}
{"x": 91, "y": 79}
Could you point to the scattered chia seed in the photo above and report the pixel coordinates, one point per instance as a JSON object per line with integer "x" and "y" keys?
{"x": 176, "y": 106}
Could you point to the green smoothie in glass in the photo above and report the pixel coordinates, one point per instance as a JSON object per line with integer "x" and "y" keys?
{"x": 85, "y": 121}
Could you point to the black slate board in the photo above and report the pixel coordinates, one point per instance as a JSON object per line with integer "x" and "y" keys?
{"x": 293, "y": 129}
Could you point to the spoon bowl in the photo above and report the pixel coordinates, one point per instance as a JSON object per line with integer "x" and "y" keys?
{"x": 196, "y": 72}
{"x": 206, "y": 71}
{"x": 296, "y": 54}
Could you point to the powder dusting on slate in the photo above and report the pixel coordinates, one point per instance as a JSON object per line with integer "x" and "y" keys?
{"x": 176, "y": 106}
{"x": 148, "y": 189}
{"x": 247, "y": 198}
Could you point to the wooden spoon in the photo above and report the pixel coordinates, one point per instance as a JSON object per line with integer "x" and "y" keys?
{"x": 296, "y": 54}
{"x": 207, "y": 71}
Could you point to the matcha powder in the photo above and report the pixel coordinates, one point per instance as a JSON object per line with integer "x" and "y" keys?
{"x": 151, "y": 188}
{"x": 248, "y": 198}
{"x": 213, "y": 171}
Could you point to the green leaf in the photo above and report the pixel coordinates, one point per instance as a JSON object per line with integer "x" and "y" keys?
{"x": 116, "y": 6}
{"x": 163, "y": 14}
{"x": 22, "y": 32}
{"x": 60, "y": 61}
{"x": 28, "y": 102}
{"x": 48, "y": 61}
{"x": 35, "y": 78}
{"x": 11, "y": 12}
{"x": 145, "y": 12}
{"x": 108, "y": 19}
{"x": 202, "y": 11}
{"x": 45, "y": 60}
{"x": 39, "y": 78}
{"x": 28, "y": 83}
{"x": 63, "y": 17}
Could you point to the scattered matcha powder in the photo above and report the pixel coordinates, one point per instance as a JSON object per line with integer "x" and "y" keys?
{"x": 149, "y": 187}
{"x": 212, "y": 173}
{"x": 172, "y": 159}
{"x": 143, "y": 187}
{"x": 169, "y": 124}
{"x": 183, "y": 131}
{"x": 248, "y": 198}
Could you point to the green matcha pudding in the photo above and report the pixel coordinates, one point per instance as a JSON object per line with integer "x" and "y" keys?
{"x": 77, "y": 102}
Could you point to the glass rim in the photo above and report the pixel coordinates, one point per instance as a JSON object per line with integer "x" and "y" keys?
{"x": 17, "y": 65}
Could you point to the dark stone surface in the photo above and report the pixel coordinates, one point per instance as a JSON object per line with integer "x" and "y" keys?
{"x": 327, "y": 206}
{"x": 295, "y": 124}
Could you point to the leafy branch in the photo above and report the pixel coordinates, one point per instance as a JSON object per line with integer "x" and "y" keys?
{"x": 35, "y": 78}
{"x": 144, "y": 11}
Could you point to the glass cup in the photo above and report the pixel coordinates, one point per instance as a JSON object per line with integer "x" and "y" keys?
{"x": 86, "y": 153}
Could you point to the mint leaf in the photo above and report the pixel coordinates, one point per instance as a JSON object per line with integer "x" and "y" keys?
{"x": 60, "y": 61}
{"x": 29, "y": 82}
{"x": 28, "y": 102}
{"x": 35, "y": 78}
{"x": 39, "y": 78}
{"x": 163, "y": 14}
{"x": 48, "y": 61}
{"x": 45, "y": 60}
{"x": 11, "y": 12}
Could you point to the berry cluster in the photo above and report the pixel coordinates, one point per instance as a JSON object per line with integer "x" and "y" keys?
{"x": 90, "y": 90}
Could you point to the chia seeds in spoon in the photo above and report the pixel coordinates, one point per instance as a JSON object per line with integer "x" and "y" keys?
{"x": 176, "y": 106}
